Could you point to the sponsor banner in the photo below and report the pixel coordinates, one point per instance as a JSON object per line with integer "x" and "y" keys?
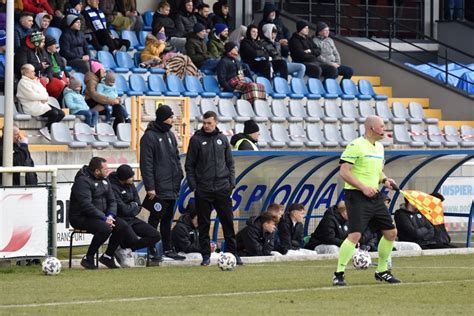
{"x": 458, "y": 193}
{"x": 23, "y": 222}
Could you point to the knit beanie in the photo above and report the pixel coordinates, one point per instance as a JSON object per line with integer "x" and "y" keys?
{"x": 125, "y": 172}
{"x": 71, "y": 19}
{"x": 198, "y": 27}
{"x": 301, "y": 25}
{"x": 49, "y": 41}
{"x": 320, "y": 26}
{"x": 219, "y": 28}
{"x": 74, "y": 83}
{"x": 250, "y": 127}
{"x": 229, "y": 46}
{"x": 163, "y": 113}
{"x": 96, "y": 66}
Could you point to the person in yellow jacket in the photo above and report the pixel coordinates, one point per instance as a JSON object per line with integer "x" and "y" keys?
{"x": 248, "y": 139}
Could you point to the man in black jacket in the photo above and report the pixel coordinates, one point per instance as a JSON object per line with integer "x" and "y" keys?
{"x": 291, "y": 230}
{"x": 257, "y": 238}
{"x": 73, "y": 45}
{"x": 161, "y": 18}
{"x": 93, "y": 208}
{"x": 331, "y": 231}
{"x": 304, "y": 50}
{"x": 442, "y": 238}
{"x": 185, "y": 233}
{"x": 161, "y": 172}
{"x": 128, "y": 207}
{"x": 202, "y": 16}
{"x": 248, "y": 139}
{"x": 211, "y": 175}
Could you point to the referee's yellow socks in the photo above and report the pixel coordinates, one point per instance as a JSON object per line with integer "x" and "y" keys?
{"x": 345, "y": 254}
{"x": 385, "y": 249}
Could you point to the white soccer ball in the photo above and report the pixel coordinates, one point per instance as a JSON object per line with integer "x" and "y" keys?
{"x": 51, "y": 266}
{"x": 226, "y": 261}
{"x": 361, "y": 259}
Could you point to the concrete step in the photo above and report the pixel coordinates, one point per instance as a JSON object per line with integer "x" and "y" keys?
{"x": 456, "y": 124}
{"x": 435, "y": 113}
{"x": 425, "y": 102}
{"x": 374, "y": 80}
{"x": 388, "y": 91}
{"x": 48, "y": 148}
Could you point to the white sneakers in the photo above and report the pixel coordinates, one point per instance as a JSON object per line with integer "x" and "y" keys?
{"x": 45, "y": 132}
{"x": 125, "y": 257}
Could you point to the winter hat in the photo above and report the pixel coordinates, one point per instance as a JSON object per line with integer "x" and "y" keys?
{"x": 50, "y": 41}
{"x": 36, "y": 38}
{"x": 125, "y": 172}
{"x": 250, "y": 127}
{"x": 198, "y": 27}
{"x": 219, "y": 28}
{"x": 74, "y": 83}
{"x": 163, "y": 113}
{"x": 229, "y": 46}
{"x": 73, "y": 3}
{"x": 71, "y": 19}
{"x": 320, "y": 26}
{"x": 96, "y": 66}
{"x": 110, "y": 78}
{"x": 301, "y": 25}
{"x": 161, "y": 36}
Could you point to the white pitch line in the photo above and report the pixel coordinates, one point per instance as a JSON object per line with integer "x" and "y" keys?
{"x": 395, "y": 267}
{"x": 149, "y": 298}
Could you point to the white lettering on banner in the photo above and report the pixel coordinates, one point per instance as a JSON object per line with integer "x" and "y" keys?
{"x": 23, "y": 222}
{"x": 458, "y": 193}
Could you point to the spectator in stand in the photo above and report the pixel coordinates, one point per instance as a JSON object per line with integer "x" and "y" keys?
{"x": 108, "y": 89}
{"x": 128, "y": 8}
{"x": 329, "y": 53}
{"x": 291, "y": 232}
{"x": 33, "y": 97}
{"x": 118, "y": 18}
{"x": 75, "y": 101}
{"x": 257, "y": 238}
{"x": 221, "y": 14}
{"x": 331, "y": 231}
{"x": 56, "y": 71}
{"x": 97, "y": 101}
{"x": 101, "y": 36}
{"x": 217, "y": 40}
{"x": 74, "y": 7}
{"x": 37, "y": 6}
{"x": 58, "y": 15}
{"x": 272, "y": 15}
{"x": 21, "y": 157}
{"x": 162, "y": 174}
{"x": 231, "y": 76}
{"x": 303, "y": 50}
{"x": 43, "y": 20}
{"x": 161, "y": 18}
{"x": 74, "y": 46}
{"x": 274, "y": 50}
{"x": 185, "y": 233}
{"x": 442, "y": 238}
{"x": 196, "y": 49}
{"x": 152, "y": 55}
{"x": 93, "y": 208}
{"x": 254, "y": 55}
{"x": 128, "y": 208}
{"x": 23, "y": 28}
{"x": 248, "y": 139}
{"x": 202, "y": 16}
{"x": 186, "y": 20}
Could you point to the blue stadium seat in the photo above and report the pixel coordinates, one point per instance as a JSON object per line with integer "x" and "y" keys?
{"x": 124, "y": 60}
{"x": 107, "y": 60}
{"x": 138, "y": 85}
{"x": 153, "y": 70}
{"x": 299, "y": 87}
{"x": 131, "y": 36}
{"x": 176, "y": 87}
{"x": 80, "y": 76}
{"x": 365, "y": 88}
{"x": 54, "y": 32}
{"x": 269, "y": 88}
{"x": 157, "y": 84}
{"x": 316, "y": 87}
{"x": 147, "y": 20}
{"x": 114, "y": 33}
{"x": 193, "y": 84}
{"x": 122, "y": 86}
{"x": 332, "y": 87}
{"x": 142, "y": 37}
{"x": 281, "y": 86}
{"x": 349, "y": 87}
{"x": 211, "y": 85}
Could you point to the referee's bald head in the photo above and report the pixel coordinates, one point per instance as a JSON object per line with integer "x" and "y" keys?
{"x": 372, "y": 121}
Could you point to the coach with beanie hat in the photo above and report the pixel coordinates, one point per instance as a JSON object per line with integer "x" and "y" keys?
{"x": 162, "y": 174}
{"x": 248, "y": 139}
{"x": 74, "y": 45}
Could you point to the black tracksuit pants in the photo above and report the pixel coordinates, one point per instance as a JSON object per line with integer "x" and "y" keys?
{"x": 164, "y": 218}
{"x": 137, "y": 228}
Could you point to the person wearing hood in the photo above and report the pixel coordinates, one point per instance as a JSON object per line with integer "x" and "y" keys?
{"x": 186, "y": 20}
{"x": 258, "y": 237}
{"x": 273, "y": 48}
{"x": 74, "y": 45}
{"x": 221, "y": 14}
{"x": 59, "y": 78}
{"x": 272, "y": 15}
{"x": 22, "y": 28}
{"x": 93, "y": 208}
{"x": 303, "y": 50}
{"x": 128, "y": 208}
{"x": 185, "y": 233}
{"x": 254, "y": 55}
{"x": 155, "y": 46}
{"x": 162, "y": 174}
{"x": 331, "y": 231}
{"x": 43, "y": 20}
{"x": 161, "y": 18}
{"x": 217, "y": 40}
{"x": 196, "y": 49}
{"x": 202, "y": 16}
{"x": 211, "y": 175}
{"x": 248, "y": 139}
{"x": 329, "y": 53}
{"x": 77, "y": 105}
{"x": 32, "y": 52}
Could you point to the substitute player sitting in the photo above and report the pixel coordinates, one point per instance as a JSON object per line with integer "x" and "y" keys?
{"x": 362, "y": 170}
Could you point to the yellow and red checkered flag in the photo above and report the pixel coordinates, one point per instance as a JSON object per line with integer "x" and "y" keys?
{"x": 428, "y": 205}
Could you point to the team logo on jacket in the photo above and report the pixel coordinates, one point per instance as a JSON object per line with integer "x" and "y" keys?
{"x": 219, "y": 142}
{"x": 161, "y": 139}
{"x": 157, "y": 207}
{"x": 104, "y": 182}
{"x": 96, "y": 184}
{"x": 204, "y": 143}
{"x": 418, "y": 215}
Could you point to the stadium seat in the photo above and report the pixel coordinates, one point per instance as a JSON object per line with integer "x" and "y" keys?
{"x": 194, "y": 112}
{"x": 157, "y": 84}
{"x": 280, "y": 135}
{"x": 349, "y": 111}
{"x": 401, "y": 136}
{"x": 227, "y": 109}
{"x": 18, "y": 114}
{"x": 332, "y": 87}
{"x": 416, "y": 111}
{"x": 80, "y": 76}
{"x": 176, "y": 87}
{"x": 193, "y": 85}
{"x": 332, "y": 110}
{"x": 282, "y": 87}
{"x": 153, "y": 70}
{"x": 54, "y": 32}
{"x": 315, "y": 135}
{"x": 147, "y": 20}
{"x": 269, "y": 89}
{"x": 131, "y": 36}
{"x": 297, "y": 109}
{"x": 348, "y": 132}
{"x": 139, "y": 86}
{"x": 385, "y": 142}
{"x": 265, "y": 138}
{"x": 467, "y": 134}
{"x": 60, "y": 135}
{"x": 105, "y": 133}
{"x": 382, "y": 110}
{"x": 114, "y": 33}
{"x": 84, "y": 133}
{"x": 365, "y": 88}
{"x": 280, "y": 110}
{"x": 124, "y": 60}
{"x": 418, "y": 134}
{"x": 107, "y": 60}
{"x": 435, "y": 135}
{"x": 349, "y": 87}
{"x": 315, "y": 111}
{"x": 208, "y": 105}
{"x": 452, "y": 135}
{"x": 400, "y": 114}
{"x": 299, "y": 87}
{"x": 365, "y": 110}
{"x": 298, "y": 134}
{"x": 123, "y": 88}
{"x": 246, "y": 112}
{"x": 315, "y": 86}
{"x": 54, "y": 102}
{"x": 211, "y": 85}
{"x": 226, "y": 129}
{"x": 332, "y": 134}
{"x": 142, "y": 37}
{"x": 263, "y": 110}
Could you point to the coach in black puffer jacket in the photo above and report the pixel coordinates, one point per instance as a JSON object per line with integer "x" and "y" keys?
{"x": 126, "y": 196}
{"x": 185, "y": 234}
{"x": 414, "y": 227}
{"x": 254, "y": 239}
{"x": 332, "y": 229}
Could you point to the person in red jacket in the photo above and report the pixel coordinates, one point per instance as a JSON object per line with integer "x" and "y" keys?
{"x": 37, "y": 6}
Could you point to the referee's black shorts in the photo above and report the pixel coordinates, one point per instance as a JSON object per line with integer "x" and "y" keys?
{"x": 364, "y": 212}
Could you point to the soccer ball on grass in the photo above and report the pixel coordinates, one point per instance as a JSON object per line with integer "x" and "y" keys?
{"x": 226, "y": 261}
{"x": 51, "y": 266}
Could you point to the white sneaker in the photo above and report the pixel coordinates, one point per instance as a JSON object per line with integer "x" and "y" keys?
{"x": 45, "y": 132}
{"x": 124, "y": 257}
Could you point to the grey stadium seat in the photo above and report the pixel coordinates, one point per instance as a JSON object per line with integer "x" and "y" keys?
{"x": 401, "y": 136}
{"x": 265, "y": 137}
{"x": 280, "y": 134}
{"x": 227, "y": 108}
{"x": 315, "y": 110}
{"x": 208, "y": 105}
{"x": 332, "y": 134}
{"x": 452, "y": 135}
{"x": 105, "y": 133}
{"x": 421, "y": 136}
{"x": 400, "y": 113}
{"x": 280, "y": 110}
{"x": 467, "y": 133}
{"x": 315, "y": 135}
{"x": 194, "y": 112}
{"x": 416, "y": 111}
{"x": 83, "y": 133}
{"x": 348, "y": 132}
{"x": 297, "y": 109}
{"x": 262, "y": 109}
{"x": 349, "y": 110}
{"x": 332, "y": 110}
{"x": 435, "y": 135}
{"x": 239, "y": 128}
{"x": 246, "y": 112}
{"x": 226, "y": 129}
{"x": 124, "y": 132}
{"x": 365, "y": 110}
{"x": 60, "y": 135}
{"x": 54, "y": 102}
{"x": 19, "y": 115}
{"x": 384, "y": 112}
{"x": 385, "y": 142}
{"x": 297, "y": 133}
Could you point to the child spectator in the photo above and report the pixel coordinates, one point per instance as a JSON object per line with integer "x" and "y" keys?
{"x": 75, "y": 101}
{"x": 108, "y": 89}
{"x": 161, "y": 19}
{"x": 154, "y": 48}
